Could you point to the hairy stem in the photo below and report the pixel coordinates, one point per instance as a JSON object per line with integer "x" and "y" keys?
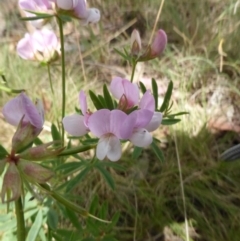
{"x": 20, "y": 220}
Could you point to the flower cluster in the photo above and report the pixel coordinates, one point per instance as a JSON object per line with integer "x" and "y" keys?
{"x": 42, "y": 45}
{"x": 132, "y": 119}
{"x": 29, "y": 119}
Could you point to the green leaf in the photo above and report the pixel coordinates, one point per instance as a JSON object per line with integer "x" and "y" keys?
{"x": 37, "y": 141}
{"x": 142, "y": 87}
{"x": 167, "y": 97}
{"x": 74, "y": 219}
{"x": 157, "y": 150}
{"x": 102, "y": 100}
{"x": 69, "y": 167}
{"x": 55, "y": 133}
{"x": 33, "y": 232}
{"x": 75, "y": 150}
{"x": 168, "y": 122}
{"x": 177, "y": 114}
{"x": 155, "y": 92}
{"x": 35, "y": 18}
{"x": 107, "y": 176}
{"x": 136, "y": 152}
{"x": 52, "y": 219}
{"x": 108, "y": 98}
{"x": 103, "y": 211}
{"x": 94, "y": 205}
{"x": 97, "y": 103}
{"x": 77, "y": 179}
{"x": 121, "y": 54}
{"x": 3, "y": 152}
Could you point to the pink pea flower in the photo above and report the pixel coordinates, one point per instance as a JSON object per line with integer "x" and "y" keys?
{"x": 77, "y": 125}
{"x": 42, "y": 6}
{"x": 147, "y": 120}
{"x": 22, "y": 107}
{"x": 148, "y": 102}
{"x": 41, "y": 45}
{"x": 78, "y": 9}
{"x": 108, "y": 126}
{"x": 125, "y": 91}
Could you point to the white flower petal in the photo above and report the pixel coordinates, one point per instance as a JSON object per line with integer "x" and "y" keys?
{"x": 155, "y": 122}
{"x": 110, "y": 146}
{"x": 74, "y": 125}
{"x": 141, "y": 138}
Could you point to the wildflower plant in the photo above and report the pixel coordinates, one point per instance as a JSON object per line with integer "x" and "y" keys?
{"x": 124, "y": 112}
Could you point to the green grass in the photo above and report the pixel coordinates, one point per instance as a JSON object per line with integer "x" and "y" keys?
{"x": 147, "y": 192}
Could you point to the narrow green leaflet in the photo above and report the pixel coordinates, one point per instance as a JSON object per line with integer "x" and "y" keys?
{"x": 168, "y": 122}
{"x": 136, "y": 152}
{"x": 155, "y": 92}
{"x": 108, "y": 98}
{"x": 142, "y": 87}
{"x": 97, "y": 103}
{"x": 33, "y": 232}
{"x": 73, "y": 218}
{"x": 35, "y": 18}
{"x": 102, "y": 100}
{"x": 52, "y": 219}
{"x": 37, "y": 141}
{"x": 177, "y": 114}
{"x": 107, "y": 176}
{"x": 75, "y": 150}
{"x": 167, "y": 97}
{"x": 77, "y": 179}
{"x": 55, "y": 133}
{"x": 157, "y": 151}
{"x": 3, "y": 152}
{"x": 94, "y": 205}
{"x": 69, "y": 167}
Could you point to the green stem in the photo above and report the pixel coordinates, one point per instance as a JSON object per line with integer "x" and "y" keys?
{"x": 134, "y": 63}
{"x": 50, "y": 78}
{"x": 20, "y": 220}
{"x": 60, "y": 24}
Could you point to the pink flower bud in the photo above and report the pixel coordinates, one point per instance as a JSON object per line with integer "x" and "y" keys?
{"x": 135, "y": 42}
{"x": 34, "y": 172}
{"x": 157, "y": 47}
{"x": 24, "y": 135}
{"x": 11, "y": 184}
{"x": 42, "y": 152}
{"x": 159, "y": 43}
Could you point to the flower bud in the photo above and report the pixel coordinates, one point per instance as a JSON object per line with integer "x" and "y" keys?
{"x": 135, "y": 42}
{"x": 41, "y": 152}
{"x": 156, "y": 48}
{"x": 11, "y": 184}
{"x": 24, "y": 135}
{"x": 34, "y": 172}
{"x": 159, "y": 43}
